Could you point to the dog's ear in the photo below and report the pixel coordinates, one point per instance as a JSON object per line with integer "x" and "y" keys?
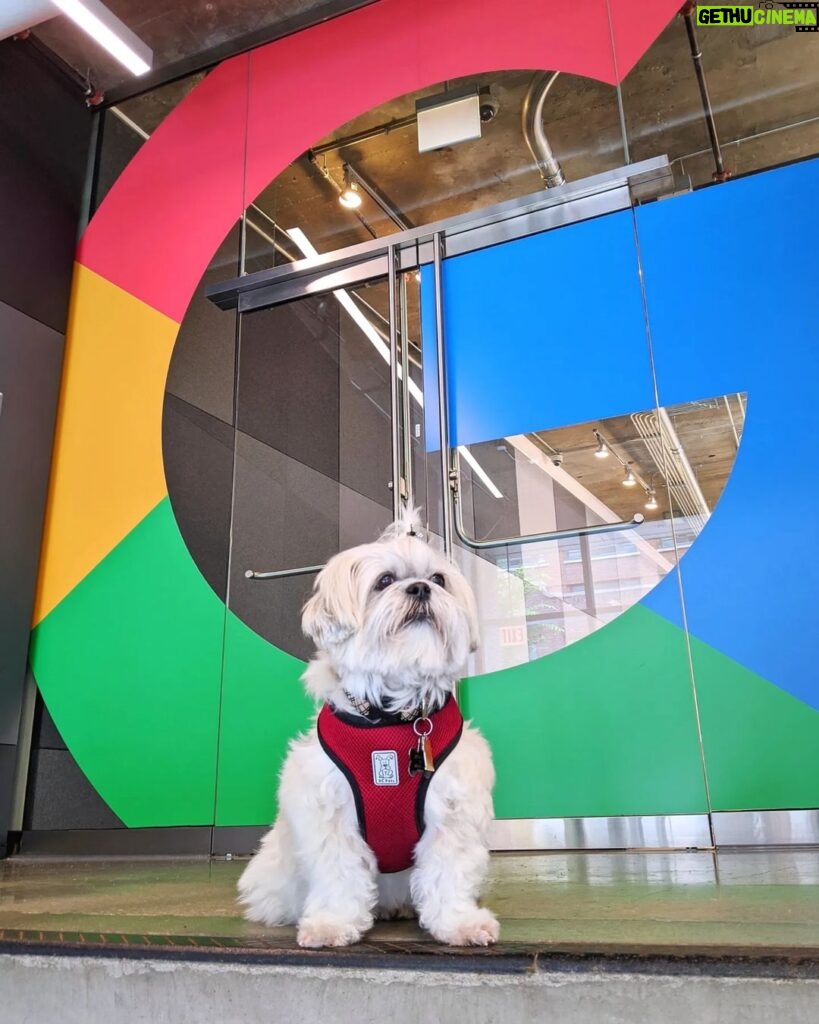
{"x": 332, "y": 614}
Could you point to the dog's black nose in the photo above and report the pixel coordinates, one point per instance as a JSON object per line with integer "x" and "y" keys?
{"x": 419, "y": 590}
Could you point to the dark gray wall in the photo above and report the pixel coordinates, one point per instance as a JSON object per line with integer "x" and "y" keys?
{"x": 44, "y": 137}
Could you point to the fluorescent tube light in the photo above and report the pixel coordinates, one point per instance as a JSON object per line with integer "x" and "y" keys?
{"x": 303, "y": 242}
{"x": 112, "y": 34}
{"x": 468, "y": 457}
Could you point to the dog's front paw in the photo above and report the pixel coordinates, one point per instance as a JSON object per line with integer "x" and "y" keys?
{"x": 479, "y": 927}
{"x": 323, "y": 930}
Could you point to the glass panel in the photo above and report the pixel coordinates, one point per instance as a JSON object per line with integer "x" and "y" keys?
{"x": 749, "y": 593}
{"x": 312, "y": 476}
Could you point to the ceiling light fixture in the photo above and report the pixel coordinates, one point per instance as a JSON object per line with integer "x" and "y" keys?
{"x": 350, "y": 198}
{"x": 651, "y": 504}
{"x": 629, "y": 479}
{"x": 602, "y": 448}
{"x": 112, "y": 34}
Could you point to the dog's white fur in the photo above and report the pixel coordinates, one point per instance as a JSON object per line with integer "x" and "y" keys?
{"x": 313, "y": 868}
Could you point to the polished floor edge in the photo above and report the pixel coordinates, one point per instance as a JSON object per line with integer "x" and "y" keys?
{"x": 766, "y": 828}
{"x": 505, "y": 958}
{"x": 637, "y": 832}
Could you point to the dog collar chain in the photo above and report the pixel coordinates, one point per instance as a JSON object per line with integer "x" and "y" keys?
{"x": 366, "y": 710}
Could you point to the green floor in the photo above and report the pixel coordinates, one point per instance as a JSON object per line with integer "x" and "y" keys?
{"x": 684, "y": 903}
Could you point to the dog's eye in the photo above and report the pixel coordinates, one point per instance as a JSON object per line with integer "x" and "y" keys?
{"x": 385, "y": 581}
{"x": 437, "y": 578}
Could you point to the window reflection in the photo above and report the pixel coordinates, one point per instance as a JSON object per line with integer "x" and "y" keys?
{"x": 539, "y": 597}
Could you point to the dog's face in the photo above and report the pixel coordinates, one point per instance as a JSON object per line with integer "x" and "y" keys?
{"x": 396, "y": 610}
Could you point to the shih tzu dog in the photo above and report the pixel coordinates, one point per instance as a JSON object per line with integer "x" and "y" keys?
{"x": 384, "y": 806}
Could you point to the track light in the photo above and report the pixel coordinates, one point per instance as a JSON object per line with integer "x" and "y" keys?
{"x": 350, "y": 198}
{"x": 629, "y": 479}
{"x": 651, "y": 504}
{"x": 602, "y": 449}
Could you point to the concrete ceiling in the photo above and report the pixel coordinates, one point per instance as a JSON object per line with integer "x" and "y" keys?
{"x": 176, "y": 30}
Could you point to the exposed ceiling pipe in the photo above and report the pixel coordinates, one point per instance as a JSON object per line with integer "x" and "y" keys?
{"x": 687, "y": 13}
{"x": 533, "y": 133}
{"x": 362, "y": 136}
{"x": 660, "y": 438}
{"x": 732, "y": 421}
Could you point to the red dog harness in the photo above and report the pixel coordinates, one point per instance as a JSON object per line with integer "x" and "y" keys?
{"x": 375, "y": 760}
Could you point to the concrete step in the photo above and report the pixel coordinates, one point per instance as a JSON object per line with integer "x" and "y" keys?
{"x": 174, "y": 986}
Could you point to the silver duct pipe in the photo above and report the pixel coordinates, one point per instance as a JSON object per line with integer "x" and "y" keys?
{"x": 660, "y": 438}
{"x": 533, "y": 133}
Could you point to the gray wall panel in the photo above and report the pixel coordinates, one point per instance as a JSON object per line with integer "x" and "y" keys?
{"x": 289, "y": 381}
{"x": 364, "y": 454}
{"x": 197, "y": 453}
{"x": 8, "y": 759}
{"x": 30, "y": 364}
{"x": 46, "y": 734}
{"x": 45, "y": 128}
{"x": 45, "y": 131}
{"x": 61, "y": 797}
{"x": 285, "y": 515}
{"x": 202, "y": 365}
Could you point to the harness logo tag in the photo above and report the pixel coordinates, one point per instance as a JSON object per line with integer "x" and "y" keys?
{"x": 385, "y": 768}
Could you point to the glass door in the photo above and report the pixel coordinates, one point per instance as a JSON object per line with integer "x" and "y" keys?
{"x": 314, "y": 473}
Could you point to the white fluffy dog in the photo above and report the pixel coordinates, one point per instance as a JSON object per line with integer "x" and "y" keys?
{"x": 394, "y": 622}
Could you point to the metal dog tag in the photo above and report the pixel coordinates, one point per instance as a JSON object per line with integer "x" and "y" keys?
{"x": 416, "y": 760}
{"x": 421, "y": 759}
{"x": 426, "y": 748}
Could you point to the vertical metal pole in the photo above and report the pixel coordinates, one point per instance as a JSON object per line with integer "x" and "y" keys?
{"x": 89, "y": 190}
{"x": 242, "y": 244}
{"x": 443, "y": 406}
{"x": 395, "y": 411}
{"x": 687, "y": 11}
{"x": 409, "y": 487}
